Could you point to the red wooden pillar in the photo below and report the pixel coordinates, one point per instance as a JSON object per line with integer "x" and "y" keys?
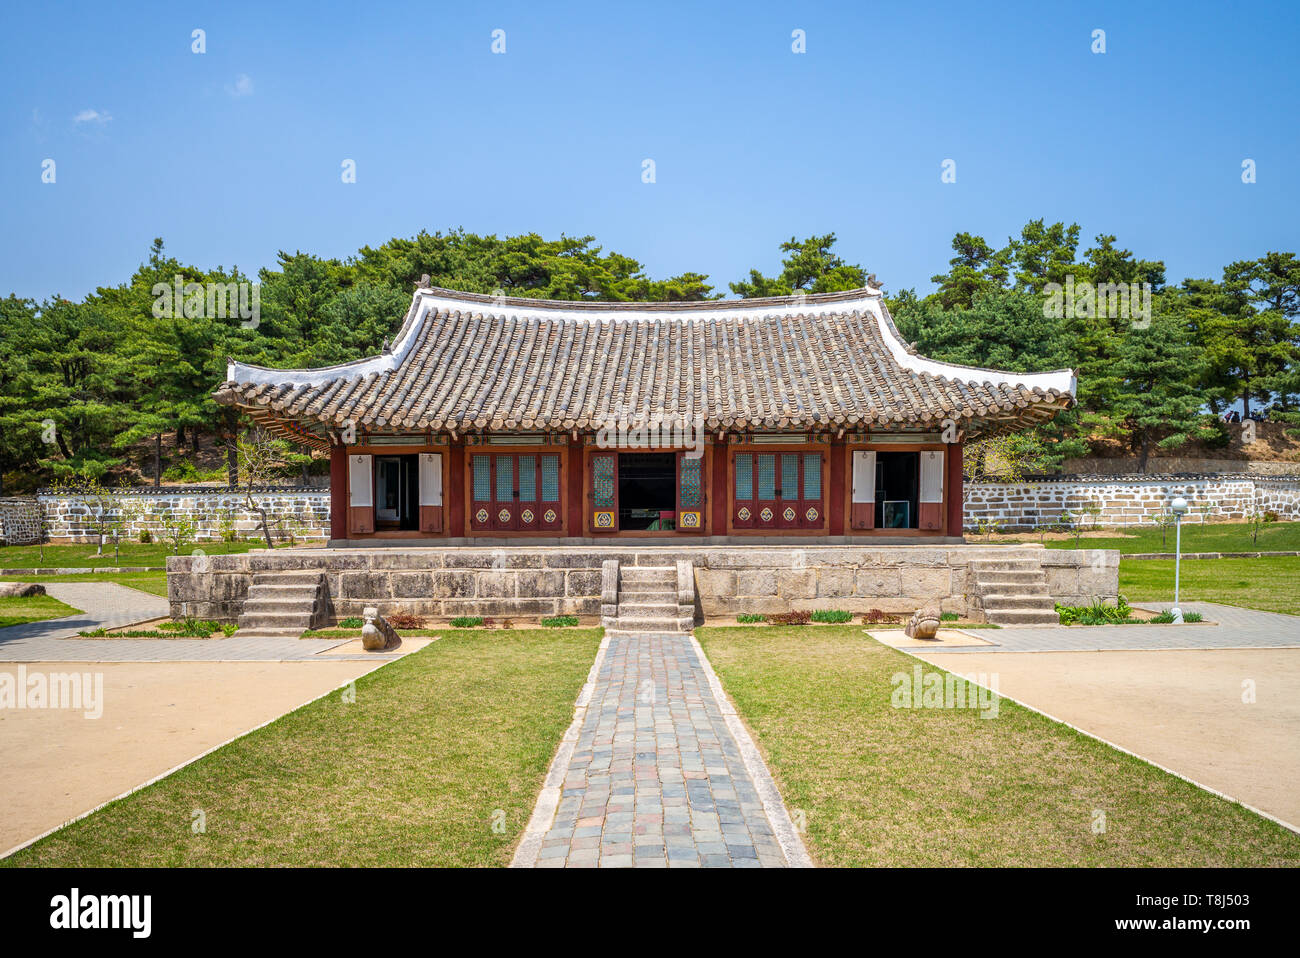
{"x": 953, "y": 490}
{"x": 575, "y": 520}
{"x": 338, "y": 492}
{"x": 836, "y": 491}
{"x": 718, "y": 500}
{"x": 454, "y": 494}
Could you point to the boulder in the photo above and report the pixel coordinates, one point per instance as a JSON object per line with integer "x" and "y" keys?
{"x": 377, "y": 635}
{"x": 16, "y": 590}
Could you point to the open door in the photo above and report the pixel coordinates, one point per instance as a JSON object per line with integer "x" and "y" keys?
{"x": 930, "y": 497}
{"x": 864, "y": 490}
{"x": 430, "y": 492}
{"x": 690, "y": 492}
{"x": 361, "y": 495}
{"x": 604, "y": 492}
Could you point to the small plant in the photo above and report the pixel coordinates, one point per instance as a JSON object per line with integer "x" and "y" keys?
{"x": 948, "y": 616}
{"x": 462, "y": 622}
{"x": 352, "y": 622}
{"x": 794, "y": 617}
{"x": 751, "y": 618}
{"x": 1099, "y": 613}
{"x": 146, "y": 537}
{"x": 987, "y": 527}
{"x": 404, "y": 620}
{"x": 559, "y": 621}
{"x": 876, "y": 617}
{"x": 1167, "y": 616}
{"x": 832, "y": 615}
{"x": 510, "y": 623}
{"x": 228, "y": 629}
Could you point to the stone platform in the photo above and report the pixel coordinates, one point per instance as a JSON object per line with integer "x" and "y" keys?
{"x": 524, "y": 581}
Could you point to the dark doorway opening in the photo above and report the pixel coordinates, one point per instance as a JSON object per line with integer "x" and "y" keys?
{"x": 397, "y": 486}
{"x": 897, "y": 489}
{"x": 647, "y": 491}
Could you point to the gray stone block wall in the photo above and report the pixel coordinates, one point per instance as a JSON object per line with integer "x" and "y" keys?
{"x": 441, "y": 583}
{"x": 20, "y": 521}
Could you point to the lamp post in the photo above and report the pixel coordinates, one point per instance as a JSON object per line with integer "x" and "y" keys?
{"x": 1179, "y": 508}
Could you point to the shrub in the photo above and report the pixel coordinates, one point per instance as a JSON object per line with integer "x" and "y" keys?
{"x": 146, "y": 537}
{"x": 795, "y": 617}
{"x": 832, "y": 615}
{"x": 462, "y": 622}
{"x": 559, "y": 621}
{"x": 876, "y": 616}
{"x": 228, "y": 629}
{"x": 1096, "y": 614}
{"x": 404, "y": 620}
{"x": 352, "y": 622}
{"x": 750, "y": 618}
{"x": 507, "y": 623}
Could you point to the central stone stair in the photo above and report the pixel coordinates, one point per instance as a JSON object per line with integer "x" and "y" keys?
{"x": 654, "y": 599}
{"x": 284, "y": 605}
{"x": 1014, "y": 592}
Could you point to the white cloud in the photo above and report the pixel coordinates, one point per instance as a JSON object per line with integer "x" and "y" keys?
{"x": 243, "y": 86}
{"x": 91, "y": 116}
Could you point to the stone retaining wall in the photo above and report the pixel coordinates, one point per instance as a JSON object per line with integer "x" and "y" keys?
{"x": 528, "y": 582}
{"x": 1129, "y": 501}
{"x": 20, "y": 522}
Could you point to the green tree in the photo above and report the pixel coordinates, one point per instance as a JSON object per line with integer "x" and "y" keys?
{"x": 811, "y": 266}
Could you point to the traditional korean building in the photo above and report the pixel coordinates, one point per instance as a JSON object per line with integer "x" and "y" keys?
{"x": 792, "y": 418}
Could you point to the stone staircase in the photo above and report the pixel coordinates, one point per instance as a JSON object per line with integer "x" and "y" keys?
{"x": 284, "y": 605}
{"x": 651, "y": 599}
{"x": 1014, "y": 592}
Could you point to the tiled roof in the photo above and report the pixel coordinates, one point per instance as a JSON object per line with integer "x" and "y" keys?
{"x": 465, "y": 362}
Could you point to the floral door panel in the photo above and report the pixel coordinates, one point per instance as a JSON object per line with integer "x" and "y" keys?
{"x": 604, "y": 492}
{"x": 515, "y": 492}
{"x": 787, "y": 491}
{"x": 690, "y": 493}
{"x": 767, "y": 505}
{"x": 505, "y": 505}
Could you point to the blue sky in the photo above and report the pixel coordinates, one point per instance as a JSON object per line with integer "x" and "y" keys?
{"x": 235, "y": 154}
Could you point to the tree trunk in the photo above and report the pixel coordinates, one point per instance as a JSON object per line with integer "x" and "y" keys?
{"x": 180, "y": 437}
{"x": 266, "y": 528}
{"x": 306, "y": 479}
{"x": 1144, "y": 453}
{"x": 157, "y": 460}
{"x": 1245, "y": 404}
{"x": 194, "y": 440}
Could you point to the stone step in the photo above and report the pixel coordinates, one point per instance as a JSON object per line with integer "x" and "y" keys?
{"x": 303, "y": 590}
{"x": 276, "y": 620}
{"x": 1022, "y": 617}
{"x": 651, "y": 579}
{"x": 1002, "y": 577}
{"x": 1014, "y": 588}
{"x": 1040, "y": 601}
{"x": 286, "y": 578}
{"x": 279, "y": 603}
{"x": 983, "y": 566}
{"x": 647, "y": 610}
{"x": 656, "y": 624}
{"x": 647, "y": 595}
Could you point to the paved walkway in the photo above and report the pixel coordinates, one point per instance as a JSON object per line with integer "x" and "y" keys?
{"x": 112, "y": 606}
{"x": 657, "y": 773}
{"x": 1234, "y": 629}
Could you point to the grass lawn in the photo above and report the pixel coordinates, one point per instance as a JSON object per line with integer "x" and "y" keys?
{"x": 1212, "y": 537}
{"x": 890, "y": 786}
{"x": 411, "y": 774}
{"x": 1271, "y": 584}
{"x": 82, "y": 554}
{"x": 155, "y": 582}
{"x": 34, "y": 608}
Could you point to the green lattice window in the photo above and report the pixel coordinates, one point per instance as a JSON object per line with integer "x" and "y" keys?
{"x": 527, "y": 478}
{"x": 688, "y": 492}
{"x": 482, "y": 479}
{"x": 767, "y": 476}
{"x": 602, "y": 481}
{"x": 812, "y": 475}
{"x": 744, "y": 477}
{"x": 505, "y": 478}
{"x": 550, "y": 478}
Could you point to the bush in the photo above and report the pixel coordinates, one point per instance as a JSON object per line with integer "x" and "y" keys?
{"x": 352, "y": 622}
{"x": 795, "y": 617}
{"x": 146, "y": 536}
{"x": 1096, "y": 614}
{"x": 948, "y": 617}
{"x": 832, "y": 615}
{"x": 750, "y": 618}
{"x": 559, "y": 621}
{"x": 464, "y": 622}
{"x": 403, "y": 620}
{"x": 876, "y": 616}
